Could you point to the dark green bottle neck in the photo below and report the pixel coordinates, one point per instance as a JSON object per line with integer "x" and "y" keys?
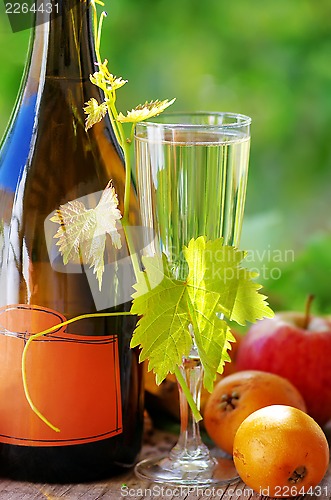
{"x": 63, "y": 46}
{"x": 71, "y": 48}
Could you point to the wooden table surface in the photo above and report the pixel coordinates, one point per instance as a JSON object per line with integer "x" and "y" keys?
{"x": 128, "y": 486}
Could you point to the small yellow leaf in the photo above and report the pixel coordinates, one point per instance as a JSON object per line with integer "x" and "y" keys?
{"x": 82, "y": 231}
{"x": 94, "y": 111}
{"x": 105, "y": 80}
{"x": 145, "y": 111}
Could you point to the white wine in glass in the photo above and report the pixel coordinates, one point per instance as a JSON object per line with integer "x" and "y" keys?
{"x": 191, "y": 178}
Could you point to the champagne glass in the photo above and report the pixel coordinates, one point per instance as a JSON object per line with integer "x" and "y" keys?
{"x": 191, "y": 179}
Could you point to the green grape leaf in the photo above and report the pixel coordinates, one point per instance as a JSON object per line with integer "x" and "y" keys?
{"x": 82, "y": 232}
{"x": 212, "y": 286}
{"x": 249, "y": 305}
{"x": 163, "y": 330}
{"x": 177, "y": 316}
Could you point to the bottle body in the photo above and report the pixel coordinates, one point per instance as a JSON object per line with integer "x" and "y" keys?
{"x": 91, "y": 380}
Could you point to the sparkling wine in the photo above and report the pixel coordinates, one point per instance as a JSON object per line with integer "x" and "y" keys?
{"x": 193, "y": 163}
{"x": 192, "y": 172}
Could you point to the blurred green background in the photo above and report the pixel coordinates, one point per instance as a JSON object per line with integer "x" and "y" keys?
{"x": 268, "y": 59}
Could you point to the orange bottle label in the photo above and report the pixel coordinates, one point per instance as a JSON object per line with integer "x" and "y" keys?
{"x": 73, "y": 380}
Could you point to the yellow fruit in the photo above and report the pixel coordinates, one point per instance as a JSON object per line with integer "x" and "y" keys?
{"x": 240, "y": 394}
{"x": 280, "y": 451}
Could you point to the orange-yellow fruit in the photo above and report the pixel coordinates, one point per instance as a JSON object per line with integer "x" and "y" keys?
{"x": 280, "y": 451}
{"x": 240, "y": 394}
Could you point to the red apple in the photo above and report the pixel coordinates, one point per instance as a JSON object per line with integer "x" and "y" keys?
{"x": 296, "y": 346}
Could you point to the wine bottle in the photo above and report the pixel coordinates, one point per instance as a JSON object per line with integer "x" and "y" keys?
{"x": 83, "y": 377}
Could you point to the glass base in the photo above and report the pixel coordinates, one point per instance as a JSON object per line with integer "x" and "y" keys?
{"x": 211, "y": 471}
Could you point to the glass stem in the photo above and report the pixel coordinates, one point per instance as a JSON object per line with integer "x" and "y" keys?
{"x": 189, "y": 446}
